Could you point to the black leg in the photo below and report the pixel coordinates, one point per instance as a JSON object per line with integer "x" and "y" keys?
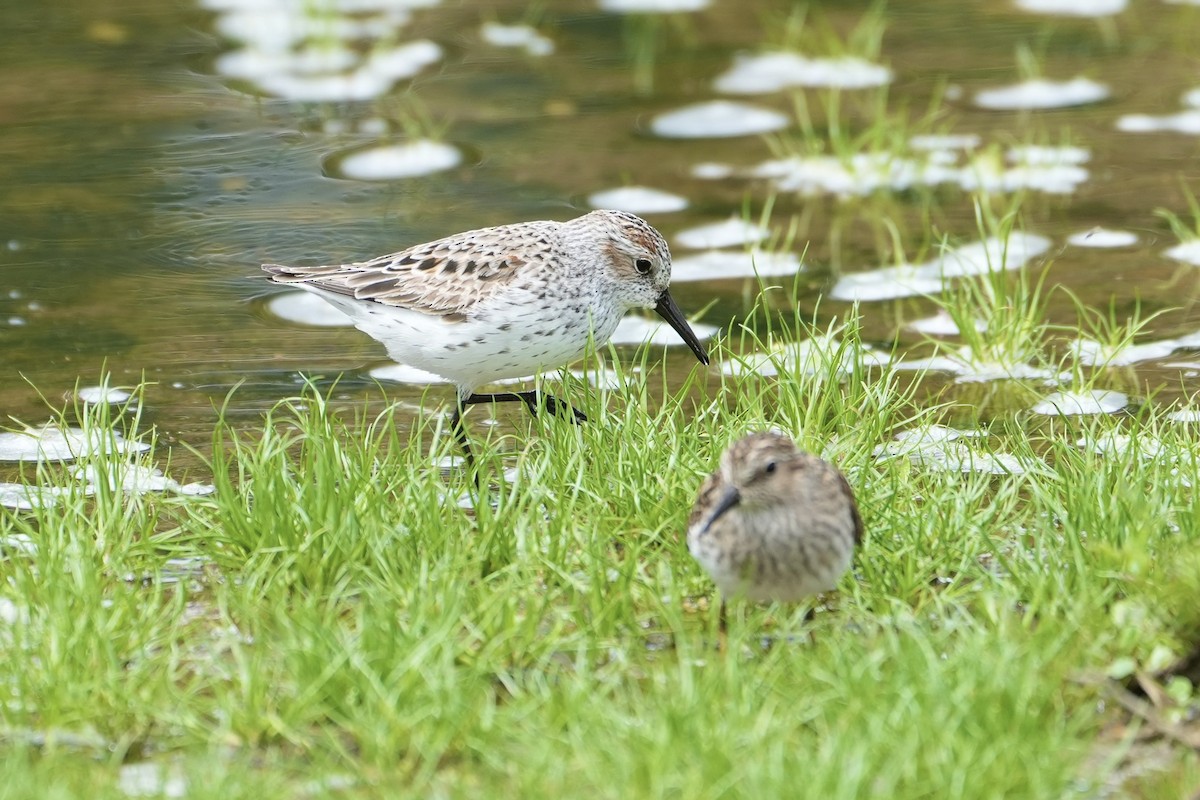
{"x": 532, "y": 399}
{"x": 460, "y": 433}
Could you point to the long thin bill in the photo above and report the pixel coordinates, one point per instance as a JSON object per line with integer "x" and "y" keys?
{"x": 667, "y": 309}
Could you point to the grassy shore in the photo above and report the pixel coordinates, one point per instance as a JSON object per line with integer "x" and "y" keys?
{"x": 332, "y": 620}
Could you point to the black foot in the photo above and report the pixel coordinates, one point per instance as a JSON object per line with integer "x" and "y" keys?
{"x": 533, "y": 400}
{"x": 556, "y": 407}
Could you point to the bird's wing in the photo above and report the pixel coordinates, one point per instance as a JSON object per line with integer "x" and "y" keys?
{"x": 447, "y": 277}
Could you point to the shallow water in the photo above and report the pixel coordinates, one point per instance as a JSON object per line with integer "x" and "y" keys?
{"x": 144, "y": 182}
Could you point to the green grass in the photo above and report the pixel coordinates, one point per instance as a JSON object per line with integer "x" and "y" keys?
{"x": 347, "y": 626}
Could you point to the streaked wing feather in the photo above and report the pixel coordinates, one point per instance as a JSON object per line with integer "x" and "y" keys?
{"x": 446, "y": 277}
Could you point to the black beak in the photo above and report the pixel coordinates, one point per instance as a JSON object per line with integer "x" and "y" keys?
{"x": 667, "y": 309}
{"x": 728, "y": 499}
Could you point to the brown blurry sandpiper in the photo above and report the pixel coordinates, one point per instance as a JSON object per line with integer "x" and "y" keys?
{"x": 774, "y": 523}
{"x": 504, "y": 302}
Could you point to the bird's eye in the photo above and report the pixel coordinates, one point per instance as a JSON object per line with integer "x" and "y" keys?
{"x": 770, "y": 467}
{"x": 643, "y": 266}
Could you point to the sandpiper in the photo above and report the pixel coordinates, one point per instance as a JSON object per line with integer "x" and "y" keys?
{"x": 504, "y": 302}
{"x": 774, "y": 523}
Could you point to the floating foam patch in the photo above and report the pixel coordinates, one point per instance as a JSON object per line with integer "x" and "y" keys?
{"x": 1187, "y": 252}
{"x": 945, "y": 141}
{"x": 136, "y": 479}
{"x": 712, "y": 171}
{"x": 638, "y": 200}
{"x": 306, "y": 308}
{"x": 53, "y": 443}
{"x": 941, "y": 324}
{"x": 908, "y": 280}
{"x": 1095, "y": 401}
{"x": 734, "y": 264}
{"x": 1097, "y": 354}
{"x": 1184, "y": 122}
{"x": 717, "y": 119}
{"x": 1112, "y": 443}
{"x": 730, "y": 233}
{"x": 329, "y": 72}
{"x": 859, "y": 174}
{"x": 1074, "y": 8}
{"x": 390, "y": 162}
{"x": 967, "y": 368}
{"x": 97, "y": 395}
{"x": 522, "y": 37}
{"x": 774, "y": 72}
{"x": 635, "y": 329}
{"x": 1052, "y": 170}
{"x": 24, "y": 497}
{"x": 1102, "y": 238}
{"x": 808, "y": 357}
{"x": 652, "y": 6}
{"x": 942, "y": 449}
{"x": 1041, "y": 93}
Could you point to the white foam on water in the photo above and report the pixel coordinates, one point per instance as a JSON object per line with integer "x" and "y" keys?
{"x": 1112, "y": 443}
{"x": 636, "y": 329}
{"x": 887, "y": 283}
{"x": 1048, "y": 169}
{"x": 941, "y": 324}
{"x": 1096, "y": 401}
{"x": 390, "y": 162}
{"x": 712, "y": 171}
{"x": 1097, "y": 354}
{"x": 1187, "y": 252}
{"x": 1074, "y": 8}
{"x": 638, "y": 200}
{"x": 1039, "y": 93}
{"x": 97, "y": 395}
{"x": 773, "y": 72}
{"x": 25, "y": 497}
{"x": 967, "y": 368}
{"x": 652, "y": 6}
{"x": 943, "y": 449}
{"x": 730, "y": 233}
{"x": 522, "y": 37}
{"x": 137, "y": 479}
{"x": 911, "y": 280}
{"x": 1102, "y": 238}
{"x": 808, "y": 357}
{"x": 734, "y": 264}
{"x": 717, "y": 119}
{"x": 53, "y": 443}
{"x": 346, "y": 52}
{"x": 307, "y": 308}
{"x": 945, "y": 141}
{"x": 1187, "y": 122}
